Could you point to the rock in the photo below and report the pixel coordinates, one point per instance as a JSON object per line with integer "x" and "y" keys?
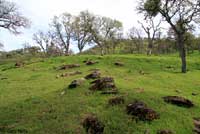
{"x": 119, "y": 64}
{"x": 177, "y": 91}
{"x": 92, "y": 125}
{"x": 140, "y": 111}
{"x": 91, "y": 62}
{"x": 196, "y": 122}
{"x": 70, "y": 74}
{"x": 64, "y": 67}
{"x": 104, "y": 83}
{"x": 19, "y": 64}
{"x": 116, "y": 101}
{"x": 4, "y": 78}
{"x": 179, "y": 101}
{"x": 110, "y": 92}
{"x": 76, "y": 83}
{"x": 141, "y": 72}
{"x": 194, "y": 94}
{"x": 93, "y": 75}
{"x": 164, "y": 132}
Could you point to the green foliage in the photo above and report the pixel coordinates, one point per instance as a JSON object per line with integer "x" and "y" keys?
{"x": 152, "y": 7}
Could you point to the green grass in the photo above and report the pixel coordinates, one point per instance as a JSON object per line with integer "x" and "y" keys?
{"x": 30, "y": 99}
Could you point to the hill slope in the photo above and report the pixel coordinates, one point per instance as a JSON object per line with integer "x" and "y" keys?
{"x": 31, "y": 100}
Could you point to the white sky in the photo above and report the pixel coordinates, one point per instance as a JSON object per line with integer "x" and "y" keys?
{"x": 40, "y": 13}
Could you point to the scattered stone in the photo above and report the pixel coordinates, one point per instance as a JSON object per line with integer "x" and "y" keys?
{"x": 140, "y": 111}
{"x": 179, "y": 101}
{"x": 170, "y": 67}
{"x": 19, "y": 64}
{"x": 92, "y": 125}
{"x": 91, "y": 62}
{"x": 164, "y": 132}
{"x": 70, "y": 74}
{"x": 76, "y": 83}
{"x": 110, "y": 92}
{"x": 116, "y": 101}
{"x": 119, "y": 64}
{"x": 4, "y": 78}
{"x": 64, "y": 67}
{"x": 141, "y": 72}
{"x": 177, "y": 91}
{"x": 104, "y": 83}
{"x": 194, "y": 94}
{"x": 62, "y": 93}
{"x": 93, "y": 75}
{"x": 196, "y": 122}
{"x": 94, "y": 69}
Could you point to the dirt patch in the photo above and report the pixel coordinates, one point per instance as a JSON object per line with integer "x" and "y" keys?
{"x": 179, "y": 101}
{"x": 104, "y": 83}
{"x": 119, "y": 64}
{"x": 69, "y": 74}
{"x": 92, "y": 125}
{"x": 116, "y": 100}
{"x": 64, "y": 67}
{"x": 93, "y": 75}
{"x": 196, "y": 122}
{"x": 139, "y": 110}
{"x": 164, "y": 132}
{"x": 76, "y": 83}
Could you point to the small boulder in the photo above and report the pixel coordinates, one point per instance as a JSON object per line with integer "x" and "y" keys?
{"x": 119, "y": 64}
{"x": 91, "y": 62}
{"x": 194, "y": 94}
{"x": 116, "y": 101}
{"x": 93, "y": 75}
{"x": 140, "y": 111}
{"x": 164, "y": 132}
{"x": 76, "y": 83}
{"x": 104, "y": 83}
{"x": 110, "y": 92}
{"x": 19, "y": 64}
{"x": 179, "y": 101}
{"x": 92, "y": 125}
{"x": 64, "y": 67}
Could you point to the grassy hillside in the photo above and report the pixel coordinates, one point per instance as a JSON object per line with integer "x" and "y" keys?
{"x": 31, "y": 100}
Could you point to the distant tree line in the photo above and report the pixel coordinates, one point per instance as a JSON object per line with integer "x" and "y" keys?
{"x": 105, "y": 35}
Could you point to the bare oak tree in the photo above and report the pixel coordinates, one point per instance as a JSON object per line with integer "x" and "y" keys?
{"x": 10, "y": 17}
{"x": 81, "y": 29}
{"x": 104, "y": 30}
{"x": 135, "y": 35}
{"x": 151, "y": 29}
{"x": 62, "y": 26}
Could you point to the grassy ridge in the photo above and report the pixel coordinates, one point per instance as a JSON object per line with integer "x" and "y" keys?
{"x": 30, "y": 99}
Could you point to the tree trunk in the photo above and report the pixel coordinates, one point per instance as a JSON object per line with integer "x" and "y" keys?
{"x": 102, "y": 52}
{"x": 182, "y": 52}
{"x": 150, "y": 47}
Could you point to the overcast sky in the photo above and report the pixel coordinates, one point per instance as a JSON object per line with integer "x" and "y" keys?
{"x": 40, "y": 13}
